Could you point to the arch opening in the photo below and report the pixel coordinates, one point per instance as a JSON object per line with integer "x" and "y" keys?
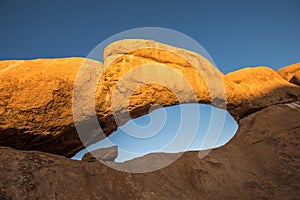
{"x": 173, "y": 129}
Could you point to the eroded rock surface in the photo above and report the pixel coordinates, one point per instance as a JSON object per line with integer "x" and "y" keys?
{"x": 105, "y": 154}
{"x": 36, "y": 95}
{"x": 291, "y": 73}
{"x": 260, "y": 162}
{"x": 36, "y": 104}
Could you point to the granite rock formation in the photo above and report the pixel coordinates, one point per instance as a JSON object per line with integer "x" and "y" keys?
{"x": 291, "y": 73}
{"x": 36, "y": 95}
{"x": 260, "y": 162}
{"x": 37, "y": 126}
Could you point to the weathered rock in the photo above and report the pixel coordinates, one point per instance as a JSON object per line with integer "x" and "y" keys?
{"x": 260, "y": 162}
{"x": 296, "y": 78}
{"x": 36, "y": 110}
{"x": 36, "y": 104}
{"x": 105, "y": 154}
{"x": 291, "y": 73}
{"x": 251, "y": 89}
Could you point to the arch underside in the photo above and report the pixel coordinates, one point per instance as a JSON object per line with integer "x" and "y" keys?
{"x": 37, "y": 106}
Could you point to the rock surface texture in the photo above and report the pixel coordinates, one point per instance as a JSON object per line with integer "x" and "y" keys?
{"x": 260, "y": 162}
{"x": 291, "y": 73}
{"x": 37, "y": 113}
{"x": 36, "y": 95}
{"x": 105, "y": 154}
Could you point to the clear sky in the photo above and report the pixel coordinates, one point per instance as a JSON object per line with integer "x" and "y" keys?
{"x": 171, "y": 129}
{"x": 236, "y": 34}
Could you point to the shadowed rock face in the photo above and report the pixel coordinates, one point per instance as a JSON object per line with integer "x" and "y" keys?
{"x": 105, "y": 154}
{"x": 291, "y": 73}
{"x": 260, "y": 162}
{"x": 36, "y": 95}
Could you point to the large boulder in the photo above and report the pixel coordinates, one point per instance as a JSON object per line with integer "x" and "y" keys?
{"x": 36, "y": 104}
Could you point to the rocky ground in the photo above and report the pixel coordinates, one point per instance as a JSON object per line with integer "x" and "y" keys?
{"x": 260, "y": 162}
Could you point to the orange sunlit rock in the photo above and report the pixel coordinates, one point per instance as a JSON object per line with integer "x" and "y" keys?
{"x": 36, "y": 95}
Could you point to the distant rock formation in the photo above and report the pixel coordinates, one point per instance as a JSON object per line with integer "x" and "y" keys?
{"x": 104, "y": 154}
{"x": 36, "y": 95}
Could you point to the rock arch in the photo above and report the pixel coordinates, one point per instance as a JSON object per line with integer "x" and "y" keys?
{"x": 36, "y": 95}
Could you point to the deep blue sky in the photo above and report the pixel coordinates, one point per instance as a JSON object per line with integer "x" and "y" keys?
{"x": 235, "y": 33}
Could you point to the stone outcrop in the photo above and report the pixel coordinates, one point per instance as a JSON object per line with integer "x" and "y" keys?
{"x": 296, "y": 78}
{"x": 36, "y": 104}
{"x": 260, "y": 162}
{"x": 42, "y": 100}
{"x": 105, "y": 154}
{"x": 36, "y": 110}
{"x": 291, "y": 73}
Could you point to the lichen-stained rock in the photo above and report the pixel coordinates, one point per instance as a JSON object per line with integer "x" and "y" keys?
{"x": 291, "y": 73}
{"x": 38, "y": 97}
{"x": 260, "y": 162}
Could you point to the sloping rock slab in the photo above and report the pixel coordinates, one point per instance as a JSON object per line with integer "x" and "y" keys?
{"x": 260, "y": 162}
